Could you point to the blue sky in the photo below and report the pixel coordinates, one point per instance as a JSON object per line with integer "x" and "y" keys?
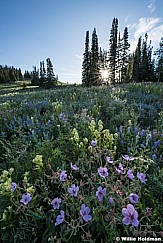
{"x": 32, "y": 30}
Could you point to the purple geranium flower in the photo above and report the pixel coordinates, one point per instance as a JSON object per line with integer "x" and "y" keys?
{"x": 100, "y": 193}
{"x": 26, "y": 198}
{"x": 84, "y": 212}
{"x": 127, "y": 158}
{"x": 130, "y": 216}
{"x": 130, "y": 174}
{"x": 120, "y": 169}
{"x": 94, "y": 143}
{"x": 111, "y": 200}
{"x": 73, "y": 190}
{"x": 56, "y": 202}
{"x": 108, "y": 159}
{"x": 102, "y": 171}
{"x": 156, "y": 144}
{"x": 134, "y": 198}
{"x": 60, "y": 218}
{"x": 13, "y": 186}
{"x": 63, "y": 176}
{"x": 74, "y": 167}
{"x": 141, "y": 177}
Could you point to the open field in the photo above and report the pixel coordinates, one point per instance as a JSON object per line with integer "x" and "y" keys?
{"x": 81, "y": 164}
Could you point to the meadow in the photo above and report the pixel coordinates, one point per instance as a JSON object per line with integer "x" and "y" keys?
{"x": 81, "y": 164}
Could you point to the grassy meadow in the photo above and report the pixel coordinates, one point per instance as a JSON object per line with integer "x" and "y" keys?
{"x": 81, "y": 164}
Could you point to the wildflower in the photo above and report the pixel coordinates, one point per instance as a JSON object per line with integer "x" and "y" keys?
{"x": 13, "y": 186}
{"x": 141, "y": 177}
{"x": 73, "y": 190}
{"x": 127, "y": 158}
{"x": 74, "y": 167}
{"x": 130, "y": 174}
{"x": 26, "y": 198}
{"x": 56, "y": 203}
{"x": 63, "y": 176}
{"x": 60, "y": 218}
{"x": 111, "y": 200}
{"x": 108, "y": 159}
{"x": 154, "y": 156}
{"x": 103, "y": 172}
{"x": 134, "y": 198}
{"x": 120, "y": 169}
{"x": 136, "y": 130}
{"x": 130, "y": 216}
{"x": 100, "y": 193}
{"x": 156, "y": 144}
{"x": 84, "y": 212}
{"x": 142, "y": 133}
{"x": 94, "y": 143}
{"x": 120, "y": 128}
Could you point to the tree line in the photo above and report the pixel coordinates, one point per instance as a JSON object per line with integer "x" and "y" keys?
{"x": 118, "y": 65}
{"x": 41, "y": 77}
{"x": 44, "y": 77}
{"x": 10, "y": 74}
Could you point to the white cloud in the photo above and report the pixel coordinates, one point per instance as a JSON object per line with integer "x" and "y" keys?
{"x": 152, "y": 26}
{"x": 79, "y": 57}
{"x": 151, "y": 5}
{"x": 145, "y": 25}
{"x": 127, "y": 18}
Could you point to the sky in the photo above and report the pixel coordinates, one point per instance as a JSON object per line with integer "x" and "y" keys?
{"x": 34, "y": 30}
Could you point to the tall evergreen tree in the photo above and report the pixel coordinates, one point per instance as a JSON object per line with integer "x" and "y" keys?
{"x": 119, "y": 59}
{"x": 50, "y": 73}
{"x": 159, "y": 64}
{"x": 35, "y": 76}
{"x": 113, "y": 50}
{"x": 137, "y": 71}
{"x": 145, "y": 67}
{"x": 125, "y": 55}
{"x": 86, "y": 62}
{"x": 95, "y": 77}
{"x": 42, "y": 74}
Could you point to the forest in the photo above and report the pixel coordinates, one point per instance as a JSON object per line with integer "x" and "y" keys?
{"x": 99, "y": 66}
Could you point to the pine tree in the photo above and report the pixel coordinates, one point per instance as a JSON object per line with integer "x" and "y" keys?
{"x": 137, "y": 71}
{"x": 119, "y": 60}
{"x": 86, "y": 62}
{"x": 42, "y": 74}
{"x": 50, "y": 73}
{"x": 130, "y": 67}
{"x": 144, "y": 59}
{"x": 35, "y": 76}
{"x": 159, "y": 64}
{"x": 147, "y": 64}
{"x": 113, "y": 50}
{"x": 125, "y": 55}
{"x": 95, "y": 77}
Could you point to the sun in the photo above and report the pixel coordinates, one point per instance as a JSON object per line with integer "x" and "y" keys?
{"x": 104, "y": 74}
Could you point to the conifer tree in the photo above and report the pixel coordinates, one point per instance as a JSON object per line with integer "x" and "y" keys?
{"x": 119, "y": 59}
{"x": 35, "y": 76}
{"x": 113, "y": 50}
{"x": 137, "y": 71}
{"x": 42, "y": 74}
{"x": 125, "y": 55}
{"x": 86, "y": 62}
{"x": 95, "y": 77}
{"x": 159, "y": 64}
{"x": 50, "y": 73}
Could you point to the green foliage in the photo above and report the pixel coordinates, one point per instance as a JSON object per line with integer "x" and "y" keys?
{"x": 76, "y": 130}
